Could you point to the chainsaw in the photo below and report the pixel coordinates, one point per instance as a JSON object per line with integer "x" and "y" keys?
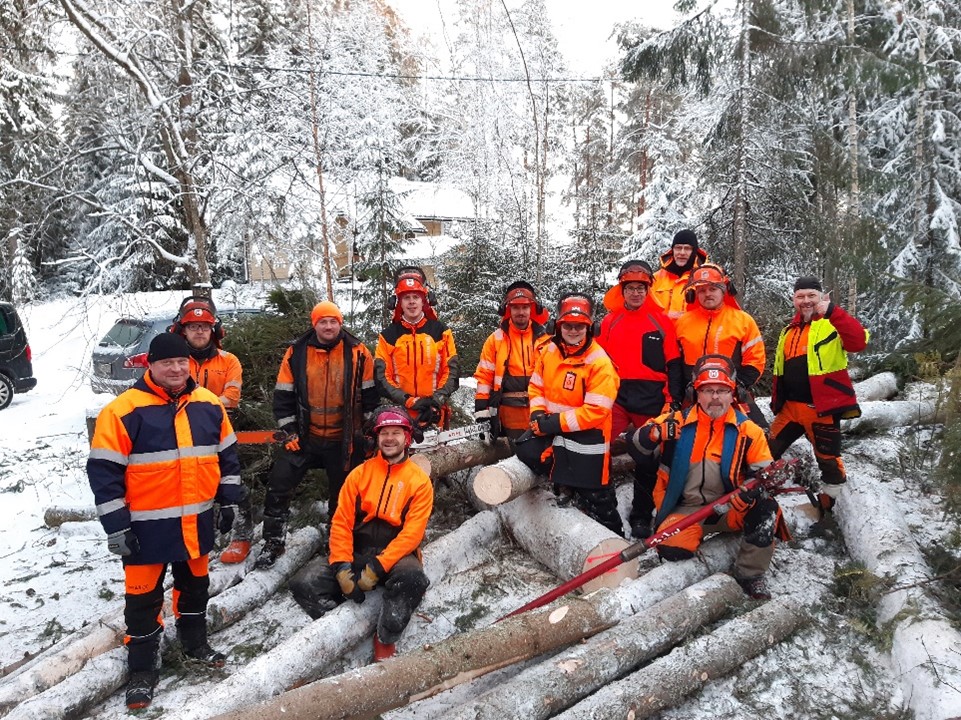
{"x": 435, "y": 438}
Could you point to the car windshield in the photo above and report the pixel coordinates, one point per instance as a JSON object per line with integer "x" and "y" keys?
{"x": 124, "y": 333}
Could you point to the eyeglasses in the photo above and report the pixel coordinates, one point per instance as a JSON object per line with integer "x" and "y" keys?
{"x": 635, "y": 287}
{"x": 198, "y": 327}
{"x": 717, "y": 392}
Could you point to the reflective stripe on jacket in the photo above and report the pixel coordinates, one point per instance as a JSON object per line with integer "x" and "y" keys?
{"x": 381, "y": 507}
{"x": 415, "y": 360}
{"x": 708, "y": 459}
{"x": 157, "y": 464}
{"x": 724, "y": 331}
{"x": 829, "y": 339}
{"x": 324, "y": 390}
{"x": 221, "y": 374}
{"x": 581, "y": 387}
{"x": 506, "y": 363}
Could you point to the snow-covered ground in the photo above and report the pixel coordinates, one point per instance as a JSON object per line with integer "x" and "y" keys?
{"x": 58, "y": 581}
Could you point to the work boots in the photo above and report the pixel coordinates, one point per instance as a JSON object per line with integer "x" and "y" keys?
{"x": 140, "y": 687}
{"x": 755, "y": 587}
{"x": 383, "y": 651}
{"x": 192, "y": 634}
{"x": 236, "y": 552}
{"x": 275, "y": 531}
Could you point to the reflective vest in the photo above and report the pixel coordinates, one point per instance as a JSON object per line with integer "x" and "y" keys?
{"x": 829, "y": 339}
{"x": 581, "y": 387}
{"x": 381, "y": 508}
{"x": 157, "y": 464}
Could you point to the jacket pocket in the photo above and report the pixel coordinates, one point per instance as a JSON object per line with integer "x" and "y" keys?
{"x": 652, "y": 351}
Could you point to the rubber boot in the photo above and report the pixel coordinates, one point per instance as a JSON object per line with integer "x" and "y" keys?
{"x": 383, "y": 651}
{"x": 236, "y": 552}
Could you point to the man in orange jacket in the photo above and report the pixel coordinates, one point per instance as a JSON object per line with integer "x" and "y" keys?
{"x": 416, "y": 364}
{"x": 324, "y": 386}
{"x": 507, "y": 362}
{"x": 162, "y": 453}
{"x": 705, "y": 452}
{"x": 220, "y": 372}
{"x": 676, "y": 266}
{"x": 640, "y": 340}
{"x": 572, "y": 393}
{"x": 375, "y": 536}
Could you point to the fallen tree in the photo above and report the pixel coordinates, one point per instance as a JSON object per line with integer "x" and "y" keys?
{"x": 666, "y": 682}
{"x": 559, "y": 682}
{"x": 882, "y": 386}
{"x": 307, "y": 654}
{"x": 924, "y": 649}
{"x": 446, "y": 459}
{"x": 884, "y": 414}
{"x": 564, "y": 539}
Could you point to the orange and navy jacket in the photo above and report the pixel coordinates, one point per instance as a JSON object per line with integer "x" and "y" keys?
{"x": 415, "y": 360}
{"x": 708, "y": 459}
{"x": 506, "y": 365}
{"x": 156, "y": 466}
{"x": 811, "y": 363}
{"x": 725, "y": 331}
{"x": 382, "y": 509}
{"x": 324, "y": 390}
{"x": 643, "y": 346}
{"x": 670, "y": 281}
{"x": 581, "y": 387}
{"x": 221, "y": 374}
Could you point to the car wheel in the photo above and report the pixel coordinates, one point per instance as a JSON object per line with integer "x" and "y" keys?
{"x": 6, "y": 391}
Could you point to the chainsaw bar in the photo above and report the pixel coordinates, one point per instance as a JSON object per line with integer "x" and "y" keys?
{"x": 433, "y": 438}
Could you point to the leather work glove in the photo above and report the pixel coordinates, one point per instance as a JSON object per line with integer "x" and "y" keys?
{"x": 370, "y": 575}
{"x": 745, "y": 499}
{"x": 420, "y": 405}
{"x": 348, "y": 583}
{"x": 439, "y": 398}
{"x": 293, "y": 443}
{"x": 227, "y": 515}
{"x": 123, "y": 543}
{"x": 543, "y": 423}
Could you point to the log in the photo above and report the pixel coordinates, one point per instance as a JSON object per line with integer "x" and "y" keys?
{"x": 557, "y": 683}
{"x": 564, "y": 539}
{"x": 446, "y": 459}
{"x": 67, "y": 681}
{"x": 924, "y": 650}
{"x": 502, "y": 482}
{"x": 308, "y": 653}
{"x": 666, "y": 682}
{"x": 56, "y": 516}
{"x": 883, "y": 414}
{"x": 377, "y": 688}
{"x": 883, "y": 386}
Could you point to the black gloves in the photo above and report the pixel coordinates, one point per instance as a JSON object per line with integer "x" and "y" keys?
{"x": 370, "y": 575}
{"x": 543, "y": 423}
{"x": 123, "y": 543}
{"x": 227, "y": 515}
{"x": 745, "y": 499}
{"x": 427, "y": 409}
{"x": 348, "y": 582}
{"x": 675, "y": 406}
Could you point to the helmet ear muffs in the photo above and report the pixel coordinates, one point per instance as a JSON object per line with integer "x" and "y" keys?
{"x": 690, "y": 295}
{"x": 595, "y": 328}
{"x": 392, "y": 302}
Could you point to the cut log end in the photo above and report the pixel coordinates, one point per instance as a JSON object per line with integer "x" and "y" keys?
{"x": 615, "y": 576}
{"x": 493, "y": 486}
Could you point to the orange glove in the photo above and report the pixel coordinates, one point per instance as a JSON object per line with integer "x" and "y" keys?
{"x": 293, "y": 443}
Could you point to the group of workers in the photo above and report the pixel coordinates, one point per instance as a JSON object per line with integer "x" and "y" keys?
{"x": 670, "y": 368}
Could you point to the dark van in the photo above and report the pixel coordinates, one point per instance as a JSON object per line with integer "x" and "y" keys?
{"x": 16, "y": 368}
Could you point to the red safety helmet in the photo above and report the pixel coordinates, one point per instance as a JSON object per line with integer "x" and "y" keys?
{"x": 635, "y": 271}
{"x": 197, "y": 311}
{"x": 575, "y": 308}
{"x": 394, "y": 417}
{"x": 714, "y": 370}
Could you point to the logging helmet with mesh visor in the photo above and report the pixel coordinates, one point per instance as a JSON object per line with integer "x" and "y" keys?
{"x": 714, "y": 370}
{"x": 394, "y": 416}
{"x": 575, "y": 308}
{"x": 635, "y": 271}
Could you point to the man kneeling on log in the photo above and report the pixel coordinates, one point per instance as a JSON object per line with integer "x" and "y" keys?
{"x": 375, "y": 536}
{"x": 707, "y": 451}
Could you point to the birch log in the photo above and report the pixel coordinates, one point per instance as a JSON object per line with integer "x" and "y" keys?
{"x": 502, "y": 482}
{"x": 924, "y": 650}
{"x": 446, "y": 459}
{"x": 564, "y": 539}
{"x": 559, "y": 682}
{"x": 380, "y": 687}
{"x": 882, "y": 386}
{"x": 883, "y": 414}
{"x": 305, "y": 655}
{"x": 666, "y": 682}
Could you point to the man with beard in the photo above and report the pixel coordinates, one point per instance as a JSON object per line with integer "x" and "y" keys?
{"x": 710, "y": 451}
{"x": 676, "y": 266}
{"x": 375, "y": 536}
{"x": 812, "y": 389}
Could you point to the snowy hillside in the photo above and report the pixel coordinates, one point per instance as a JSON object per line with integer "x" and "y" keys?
{"x": 60, "y": 584}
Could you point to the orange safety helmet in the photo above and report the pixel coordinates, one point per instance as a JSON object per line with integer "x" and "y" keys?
{"x": 575, "y": 308}
{"x": 714, "y": 370}
{"x": 635, "y": 271}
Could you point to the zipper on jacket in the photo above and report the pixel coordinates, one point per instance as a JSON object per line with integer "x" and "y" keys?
{"x": 707, "y": 333}
{"x": 380, "y": 500}
{"x": 707, "y": 446}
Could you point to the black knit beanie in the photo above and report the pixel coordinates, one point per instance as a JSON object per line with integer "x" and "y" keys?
{"x": 167, "y": 345}
{"x": 807, "y": 283}
{"x": 685, "y": 237}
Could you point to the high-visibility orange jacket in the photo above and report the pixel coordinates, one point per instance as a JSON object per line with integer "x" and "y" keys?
{"x": 581, "y": 387}
{"x": 505, "y": 368}
{"x": 381, "y": 508}
{"x": 416, "y": 360}
{"x": 157, "y": 464}
{"x": 324, "y": 389}
{"x": 708, "y": 459}
{"x": 669, "y": 282}
{"x": 724, "y": 331}
{"x": 221, "y": 374}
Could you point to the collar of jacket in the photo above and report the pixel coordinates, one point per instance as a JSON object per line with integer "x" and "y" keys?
{"x": 203, "y": 354}
{"x": 667, "y": 261}
{"x": 414, "y": 326}
{"x": 147, "y": 384}
{"x": 313, "y": 341}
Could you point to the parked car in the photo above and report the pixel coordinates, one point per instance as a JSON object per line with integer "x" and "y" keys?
{"x": 121, "y": 356}
{"x": 16, "y": 368}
